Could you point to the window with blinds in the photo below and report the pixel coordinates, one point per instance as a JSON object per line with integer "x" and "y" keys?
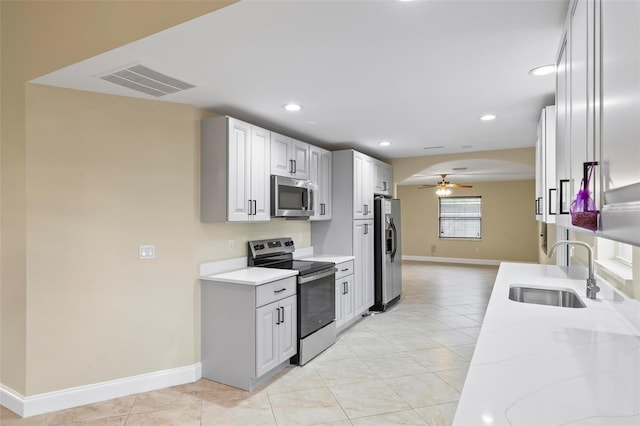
{"x": 460, "y": 217}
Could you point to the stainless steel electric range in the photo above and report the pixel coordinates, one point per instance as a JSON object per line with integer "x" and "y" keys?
{"x": 316, "y": 305}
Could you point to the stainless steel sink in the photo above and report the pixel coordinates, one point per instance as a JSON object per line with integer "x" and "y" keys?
{"x": 546, "y": 296}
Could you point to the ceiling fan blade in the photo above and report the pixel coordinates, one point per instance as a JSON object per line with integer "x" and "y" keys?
{"x": 427, "y": 186}
{"x": 457, "y": 185}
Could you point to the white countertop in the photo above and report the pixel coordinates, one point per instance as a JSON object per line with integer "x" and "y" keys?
{"x": 251, "y": 276}
{"x": 229, "y": 271}
{"x": 547, "y": 365}
{"x": 328, "y": 258}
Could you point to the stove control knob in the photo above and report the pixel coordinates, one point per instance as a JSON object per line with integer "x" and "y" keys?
{"x": 258, "y": 247}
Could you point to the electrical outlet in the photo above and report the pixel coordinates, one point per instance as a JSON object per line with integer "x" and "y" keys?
{"x": 232, "y": 245}
{"x": 147, "y": 252}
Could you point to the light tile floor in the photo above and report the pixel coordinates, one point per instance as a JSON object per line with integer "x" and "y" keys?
{"x": 406, "y": 366}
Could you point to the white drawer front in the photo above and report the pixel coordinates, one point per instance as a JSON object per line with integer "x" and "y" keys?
{"x": 344, "y": 269}
{"x": 275, "y": 290}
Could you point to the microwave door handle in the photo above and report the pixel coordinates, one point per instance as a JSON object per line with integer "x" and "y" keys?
{"x": 307, "y": 199}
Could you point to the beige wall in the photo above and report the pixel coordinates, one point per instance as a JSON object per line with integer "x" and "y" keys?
{"x": 86, "y": 178}
{"x": 509, "y": 228}
{"x": 104, "y": 175}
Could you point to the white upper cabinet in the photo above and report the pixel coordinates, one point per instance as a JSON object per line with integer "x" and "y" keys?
{"x": 382, "y": 178}
{"x": 235, "y": 158}
{"x": 562, "y": 129}
{"x": 620, "y": 93}
{"x": 546, "y": 191}
{"x": 320, "y": 175}
{"x": 618, "y": 133}
{"x": 581, "y": 100}
{"x": 289, "y": 157}
{"x": 598, "y": 113}
{"x": 362, "y": 186}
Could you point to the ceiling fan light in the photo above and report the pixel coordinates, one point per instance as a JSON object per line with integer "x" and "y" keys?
{"x": 443, "y": 192}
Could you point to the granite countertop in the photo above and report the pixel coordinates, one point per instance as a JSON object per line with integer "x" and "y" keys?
{"x": 547, "y": 365}
{"x": 251, "y": 276}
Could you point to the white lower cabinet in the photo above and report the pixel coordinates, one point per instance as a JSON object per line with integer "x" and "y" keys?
{"x": 363, "y": 265}
{"x": 345, "y": 308}
{"x": 275, "y": 334}
{"x": 247, "y": 330}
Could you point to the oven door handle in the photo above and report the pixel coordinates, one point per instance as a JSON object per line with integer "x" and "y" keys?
{"x": 316, "y": 276}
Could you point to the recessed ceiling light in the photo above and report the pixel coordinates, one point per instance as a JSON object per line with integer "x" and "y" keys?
{"x": 543, "y": 70}
{"x": 488, "y": 117}
{"x": 292, "y": 107}
{"x": 384, "y": 143}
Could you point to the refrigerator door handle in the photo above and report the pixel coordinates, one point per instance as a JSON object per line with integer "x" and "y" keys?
{"x": 394, "y": 231}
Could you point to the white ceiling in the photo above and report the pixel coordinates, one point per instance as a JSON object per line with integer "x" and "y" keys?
{"x": 418, "y": 74}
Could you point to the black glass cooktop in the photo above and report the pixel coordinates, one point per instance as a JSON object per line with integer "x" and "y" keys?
{"x": 304, "y": 267}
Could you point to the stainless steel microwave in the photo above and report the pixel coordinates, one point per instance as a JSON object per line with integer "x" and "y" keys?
{"x": 291, "y": 197}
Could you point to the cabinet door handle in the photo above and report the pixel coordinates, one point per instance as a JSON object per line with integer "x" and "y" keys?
{"x": 255, "y": 207}
{"x": 564, "y": 204}
{"x": 282, "y": 309}
{"x": 279, "y": 291}
{"x": 250, "y": 207}
{"x": 384, "y": 185}
{"x": 366, "y": 209}
{"x": 346, "y": 284}
{"x": 552, "y": 201}
{"x": 278, "y": 321}
{"x": 290, "y": 166}
{"x": 295, "y": 166}
{"x": 321, "y": 209}
{"x": 366, "y": 228}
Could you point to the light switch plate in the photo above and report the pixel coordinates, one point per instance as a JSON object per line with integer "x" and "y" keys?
{"x": 147, "y": 252}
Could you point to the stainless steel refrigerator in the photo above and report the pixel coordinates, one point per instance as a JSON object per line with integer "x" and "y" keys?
{"x": 387, "y": 253}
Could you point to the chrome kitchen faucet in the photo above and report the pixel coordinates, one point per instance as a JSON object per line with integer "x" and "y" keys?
{"x": 592, "y": 288}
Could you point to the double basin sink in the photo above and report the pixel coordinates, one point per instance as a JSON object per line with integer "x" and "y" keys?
{"x": 545, "y": 296}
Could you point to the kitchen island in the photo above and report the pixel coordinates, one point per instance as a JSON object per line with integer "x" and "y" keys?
{"x": 549, "y": 365}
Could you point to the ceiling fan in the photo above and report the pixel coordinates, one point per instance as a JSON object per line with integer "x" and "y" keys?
{"x": 444, "y": 186}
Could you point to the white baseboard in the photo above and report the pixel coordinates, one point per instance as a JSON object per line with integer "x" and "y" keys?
{"x": 27, "y": 406}
{"x": 452, "y": 260}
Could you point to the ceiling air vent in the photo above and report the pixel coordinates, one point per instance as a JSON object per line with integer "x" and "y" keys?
{"x": 146, "y": 80}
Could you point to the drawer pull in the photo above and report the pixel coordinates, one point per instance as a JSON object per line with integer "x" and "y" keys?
{"x": 279, "y": 291}
{"x": 345, "y": 269}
